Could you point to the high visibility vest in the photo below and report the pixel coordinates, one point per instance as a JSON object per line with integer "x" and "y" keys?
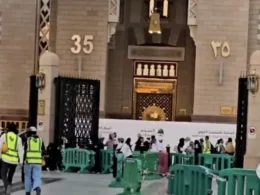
{"x": 207, "y": 148}
{"x": 11, "y": 140}
{"x": 34, "y": 151}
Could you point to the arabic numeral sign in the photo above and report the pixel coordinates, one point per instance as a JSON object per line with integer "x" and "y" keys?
{"x": 225, "y": 48}
{"x": 86, "y": 45}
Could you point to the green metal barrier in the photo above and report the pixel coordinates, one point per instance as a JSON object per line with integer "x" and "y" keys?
{"x": 107, "y": 161}
{"x": 78, "y": 160}
{"x": 184, "y": 159}
{"x": 170, "y": 180}
{"x": 150, "y": 165}
{"x": 132, "y": 177}
{"x": 139, "y": 156}
{"x": 190, "y": 180}
{"x": 118, "y": 182}
{"x": 216, "y": 162}
{"x": 136, "y": 153}
{"x": 238, "y": 182}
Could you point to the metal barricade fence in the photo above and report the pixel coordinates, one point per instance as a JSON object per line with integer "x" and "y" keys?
{"x": 107, "y": 161}
{"x": 78, "y": 160}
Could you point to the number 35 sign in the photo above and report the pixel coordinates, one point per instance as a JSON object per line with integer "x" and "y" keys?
{"x": 84, "y": 44}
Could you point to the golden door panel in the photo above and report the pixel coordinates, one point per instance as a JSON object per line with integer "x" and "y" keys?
{"x": 154, "y": 99}
{"x": 154, "y": 106}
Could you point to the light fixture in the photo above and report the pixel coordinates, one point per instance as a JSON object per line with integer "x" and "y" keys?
{"x": 40, "y": 81}
{"x": 253, "y": 82}
{"x": 155, "y": 26}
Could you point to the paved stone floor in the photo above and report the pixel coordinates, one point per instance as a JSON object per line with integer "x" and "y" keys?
{"x": 79, "y": 184}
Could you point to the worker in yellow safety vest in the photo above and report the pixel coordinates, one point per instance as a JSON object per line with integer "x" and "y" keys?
{"x": 11, "y": 150}
{"x": 207, "y": 146}
{"x": 34, "y": 154}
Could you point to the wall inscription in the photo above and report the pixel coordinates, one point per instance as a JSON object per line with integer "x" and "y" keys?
{"x": 156, "y": 53}
{"x": 155, "y": 86}
{"x": 223, "y": 47}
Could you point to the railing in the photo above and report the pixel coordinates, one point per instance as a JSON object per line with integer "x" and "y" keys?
{"x": 78, "y": 160}
{"x": 132, "y": 176}
{"x": 189, "y": 180}
{"x": 106, "y": 161}
{"x": 183, "y": 179}
{"x": 216, "y": 162}
{"x": 238, "y": 181}
{"x": 197, "y": 180}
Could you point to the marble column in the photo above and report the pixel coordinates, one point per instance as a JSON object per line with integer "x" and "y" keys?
{"x": 49, "y": 65}
{"x": 252, "y": 157}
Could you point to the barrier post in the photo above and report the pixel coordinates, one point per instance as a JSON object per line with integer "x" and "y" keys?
{"x": 179, "y": 158}
{"x": 190, "y": 180}
{"x": 238, "y": 181}
{"x": 114, "y": 161}
{"x": 107, "y": 161}
{"x": 118, "y": 181}
{"x": 168, "y": 150}
{"x": 216, "y": 162}
{"x": 150, "y": 165}
{"x": 132, "y": 177}
{"x": 78, "y": 160}
{"x": 170, "y": 180}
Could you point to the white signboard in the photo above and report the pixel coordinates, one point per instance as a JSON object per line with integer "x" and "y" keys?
{"x": 172, "y": 131}
{"x": 251, "y": 133}
{"x": 40, "y": 126}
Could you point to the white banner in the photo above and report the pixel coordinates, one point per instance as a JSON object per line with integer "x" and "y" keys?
{"x": 172, "y": 131}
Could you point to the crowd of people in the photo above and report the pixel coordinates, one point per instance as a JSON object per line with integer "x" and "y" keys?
{"x": 186, "y": 145}
{"x": 28, "y": 152}
{"x": 142, "y": 145}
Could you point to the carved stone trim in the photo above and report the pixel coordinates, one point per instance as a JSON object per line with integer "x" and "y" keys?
{"x": 192, "y": 18}
{"x": 192, "y": 13}
{"x": 193, "y": 32}
{"x": 111, "y": 30}
{"x": 113, "y": 17}
{"x": 113, "y": 11}
{"x": 258, "y": 28}
{"x": 44, "y": 26}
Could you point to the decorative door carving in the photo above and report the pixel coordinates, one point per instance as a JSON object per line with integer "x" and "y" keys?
{"x": 154, "y": 99}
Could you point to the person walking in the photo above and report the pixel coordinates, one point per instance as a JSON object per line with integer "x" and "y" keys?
{"x": 11, "y": 157}
{"x": 127, "y": 149}
{"x": 207, "y": 146}
{"x": 230, "y": 149}
{"x": 2, "y": 133}
{"x": 220, "y": 148}
{"x": 197, "y": 150}
{"x": 181, "y": 145}
{"x": 34, "y": 154}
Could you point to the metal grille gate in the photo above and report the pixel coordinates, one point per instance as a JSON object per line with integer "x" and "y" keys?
{"x": 77, "y": 111}
{"x": 242, "y": 110}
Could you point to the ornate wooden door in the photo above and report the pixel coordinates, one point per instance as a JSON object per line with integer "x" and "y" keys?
{"x": 154, "y": 99}
{"x": 154, "y": 96}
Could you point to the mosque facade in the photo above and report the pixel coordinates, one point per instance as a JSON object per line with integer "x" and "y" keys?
{"x": 186, "y": 72}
